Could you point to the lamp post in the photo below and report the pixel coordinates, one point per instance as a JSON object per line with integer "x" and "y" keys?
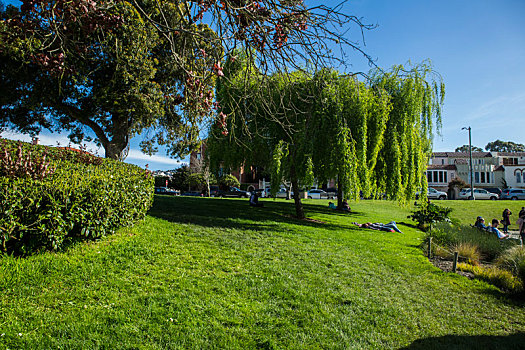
{"x": 470, "y": 160}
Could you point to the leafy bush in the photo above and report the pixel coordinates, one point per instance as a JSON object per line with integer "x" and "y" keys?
{"x": 228, "y": 181}
{"x": 502, "y": 279}
{"x": 430, "y": 214}
{"x": 86, "y": 197}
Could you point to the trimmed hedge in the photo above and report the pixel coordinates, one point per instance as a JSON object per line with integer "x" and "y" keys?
{"x": 79, "y": 196}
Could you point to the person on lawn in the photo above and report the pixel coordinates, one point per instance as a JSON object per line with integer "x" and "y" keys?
{"x": 390, "y": 227}
{"x": 254, "y": 200}
{"x": 494, "y": 229}
{"x": 506, "y": 220}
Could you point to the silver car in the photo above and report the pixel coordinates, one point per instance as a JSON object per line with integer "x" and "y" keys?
{"x": 479, "y": 193}
{"x": 513, "y": 193}
{"x": 435, "y": 194}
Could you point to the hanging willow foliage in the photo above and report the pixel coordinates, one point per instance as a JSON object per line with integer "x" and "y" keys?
{"x": 374, "y": 138}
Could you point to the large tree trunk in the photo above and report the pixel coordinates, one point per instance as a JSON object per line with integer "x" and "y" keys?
{"x": 339, "y": 193}
{"x": 299, "y": 212}
{"x": 116, "y": 148}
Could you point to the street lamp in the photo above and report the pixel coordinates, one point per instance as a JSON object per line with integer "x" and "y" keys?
{"x": 470, "y": 156}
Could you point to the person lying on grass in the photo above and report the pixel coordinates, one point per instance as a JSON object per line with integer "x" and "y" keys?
{"x": 390, "y": 227}
{"x": 494, "y": 229}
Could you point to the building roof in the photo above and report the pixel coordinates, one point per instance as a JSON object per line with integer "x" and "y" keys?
{"x": 442, "y": 166}
{"x": 511, "y": 154}
{"x": 462, "y": 154}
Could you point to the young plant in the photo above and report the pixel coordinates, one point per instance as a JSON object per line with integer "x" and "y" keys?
{"x": 430, "y": 214}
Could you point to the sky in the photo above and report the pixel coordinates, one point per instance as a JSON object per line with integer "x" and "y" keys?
{"x": 477, "y": 46}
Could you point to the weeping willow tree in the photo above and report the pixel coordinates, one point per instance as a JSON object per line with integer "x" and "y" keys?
{"x": 374, "y": 137}
{"x": 265, "y": 128}
{"x": 416, "y": 96}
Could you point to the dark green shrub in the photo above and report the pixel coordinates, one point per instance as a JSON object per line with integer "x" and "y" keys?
{"x": 229, "y": 181}
{"x": 429, "y": 214}
{"x": 86, "y": 197}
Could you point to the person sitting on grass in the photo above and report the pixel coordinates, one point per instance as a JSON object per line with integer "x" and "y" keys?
{"x": 480, "y": 223}
{"x": 390, "y": 227}
{"x": 254, "y": 200}
{"x": 494, "y": 229}
{"x": 345, "y": 206}
{"x": 331, "y": 205}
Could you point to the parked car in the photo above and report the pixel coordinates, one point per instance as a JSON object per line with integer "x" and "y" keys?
{"x": 435, "y": 194}
{"x": 332, "y": 192}
{"x": 513, "y": 193}
{"x": 319, "y": 194}
{"x": 234, "y": 192}
{"x": 192, "y": 194}
{"x": 479, "y": 193}
{"x": 282, "y": 193}
{"x": 214, "y": 191}
{"x": 494, "y": 190}
{"x": 166, "y": 191}
{"x": 260, "y": 192}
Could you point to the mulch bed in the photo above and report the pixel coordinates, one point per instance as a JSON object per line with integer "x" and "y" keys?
{"x": 446, "y": 265}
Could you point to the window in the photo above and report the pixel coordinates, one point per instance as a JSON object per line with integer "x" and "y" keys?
{"x": 436, "y": 176}
{"x": 518, "y": 177}
{"x": 476, "y": 177}
{"x": 429, "y": 176}
{"x": 440, "y": 176}
{"x": 482, "y": 177}
{"x": 442, "y": 161}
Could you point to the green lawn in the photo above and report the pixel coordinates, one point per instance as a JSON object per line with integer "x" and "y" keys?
{"x": 215, "y": 273}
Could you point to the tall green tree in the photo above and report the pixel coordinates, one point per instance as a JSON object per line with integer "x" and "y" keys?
{"x": 504, "y": 146}
{"x": 120, "y": 68}
{"x": 111, "y": 73}
{"x": 373, "y": 137}
{"x": 465, "y": 148}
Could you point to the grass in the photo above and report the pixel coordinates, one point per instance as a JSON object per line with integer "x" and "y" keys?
{"x": 215, "y": 273}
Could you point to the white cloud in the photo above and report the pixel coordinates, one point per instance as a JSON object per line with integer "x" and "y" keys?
{"x": 136, "y": 155}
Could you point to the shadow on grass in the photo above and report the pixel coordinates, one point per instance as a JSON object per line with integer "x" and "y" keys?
{"x": 230, "y": 213}
{"x": 485, "y": 342}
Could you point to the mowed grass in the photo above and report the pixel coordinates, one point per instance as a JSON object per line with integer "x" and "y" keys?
{"x": 215, "y": 273}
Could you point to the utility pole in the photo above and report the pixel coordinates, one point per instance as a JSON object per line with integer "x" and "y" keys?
{"x": 470, "y": 161}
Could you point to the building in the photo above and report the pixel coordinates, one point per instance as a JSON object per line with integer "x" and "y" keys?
{"x": 489, "y": 169}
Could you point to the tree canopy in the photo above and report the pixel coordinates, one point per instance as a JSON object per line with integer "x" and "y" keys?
{"x": 372, "y": 136}
{"x": 119, "y": 68}
{"x": 110, "y": 72}
{"x": 504, "y": 146}
{"x": 465, "y": 148}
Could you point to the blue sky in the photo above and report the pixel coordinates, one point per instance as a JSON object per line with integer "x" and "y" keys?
{"x": 478, "y": 47}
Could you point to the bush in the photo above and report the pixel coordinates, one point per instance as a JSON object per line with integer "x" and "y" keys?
{"x": 85, "y": 196}
{"x": 513, "y": 259}
{"x": 229, "y": 181}
{"x": 500, "y": 278}
{"x": 468, "y": 252}
{"x": 430, "y": 214}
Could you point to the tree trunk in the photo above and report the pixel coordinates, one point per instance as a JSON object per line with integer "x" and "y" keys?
{"x": 115, "y": 148}
{"x": 339, "y": 193}
{"x": 299, "y": 212}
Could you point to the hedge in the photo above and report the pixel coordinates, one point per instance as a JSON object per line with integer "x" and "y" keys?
{"x": 49, "y": 196}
